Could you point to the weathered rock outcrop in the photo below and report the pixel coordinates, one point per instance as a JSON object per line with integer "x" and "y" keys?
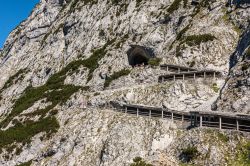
{"x": 72, "y": 54}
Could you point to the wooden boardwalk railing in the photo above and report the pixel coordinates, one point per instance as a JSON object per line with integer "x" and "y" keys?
{"x": 239, "y": 122}
{"x": 176, "y": 72}
{"x": 189, "y": 75}
{"x": 176, "y": 68}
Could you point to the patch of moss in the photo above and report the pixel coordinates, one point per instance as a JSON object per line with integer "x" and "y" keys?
{"x": 138, "y": 161}
{"x": 154, "y": 61}
{"x": 115, "y": 76}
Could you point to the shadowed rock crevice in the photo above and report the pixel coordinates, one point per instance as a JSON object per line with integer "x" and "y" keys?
{"x": 241, "y": 47}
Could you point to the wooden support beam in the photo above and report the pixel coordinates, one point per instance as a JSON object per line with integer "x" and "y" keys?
{"x": 174, "y": 77}
{"x": 126, "y": 109}
{"x": 237, "y": 124}
{"x": 204, "y": 75}
{"x": 194, "y": 76}
{"x": 179, "y": 70}
{"x": 150, "y": 113}
{"x": 162, "y": 79}
{"x": 200, "y": 121}
{"x": 137, "y": 112}
{"x": 172, "y": 116}
{"x": 167, "y": 68}
{"x": 162, "y": 114}
{"x": 182, "y": 118}
{"x": 220, "y": 127}
{"x": 183, "y": 77}
{"x": 214, "y": 75}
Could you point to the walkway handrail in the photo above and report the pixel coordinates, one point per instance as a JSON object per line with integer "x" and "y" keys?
{"x": 211, "y": 119}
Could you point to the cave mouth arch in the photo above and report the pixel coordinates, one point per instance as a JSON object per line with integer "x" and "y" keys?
{"x": 138, "y": 55}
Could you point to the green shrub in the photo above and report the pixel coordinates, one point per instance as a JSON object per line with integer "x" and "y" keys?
{"x": 22, "y": 133}
{"x": 55, "y": 83}
{"x": 189, "y": 153}
{"x": 154, "y": 61}
{"x": 174, "y": 6}
{"x": 182, "y": 32}
{"x": 215, "y": 87}
{"x": 115, "y": 76}
{"x": 138, "y": 161}
{"x": 53, "y": 91}
{"x": 198, "y": 39}
{"x": 26, "y": 163}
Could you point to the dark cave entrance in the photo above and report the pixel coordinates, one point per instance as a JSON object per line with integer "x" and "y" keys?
{"x": 138, "y": 55}
{"x": 138, "y": 60}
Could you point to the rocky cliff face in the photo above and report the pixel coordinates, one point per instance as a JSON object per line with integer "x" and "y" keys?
{"x": 71, "y": 54}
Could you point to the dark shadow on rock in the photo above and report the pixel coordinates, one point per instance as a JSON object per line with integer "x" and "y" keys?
{"x": 242, "y": 45}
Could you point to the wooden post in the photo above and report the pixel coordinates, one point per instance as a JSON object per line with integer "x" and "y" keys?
{"x": 174, "y": 77}
{"x": 200, "y": 121}
{"x": 204, "y": 75}
{"x": 182, "y": 118}
{"x": 137, "y": 112}
{"x": 162, "y": 79}
{"x": 183, "y": 77}
{"x": 172, "y": 116}
{"x": 162, "y": 114}
{"x": 179, "y": 70}
{"x": 126, "y": 109}
{"x": 237, "y": 124}
{"x": 220, "y": 123}
{"x": 194, "y": 76}
{"x": 150, "y": 113}
{"x": 167, "y": 68}
{"x": 214, "y": 75}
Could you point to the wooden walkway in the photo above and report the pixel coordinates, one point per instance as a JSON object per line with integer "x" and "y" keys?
{"x": 190, "y": 75}
{"x": 220, "y": 120}
{"x": 176, "y": 68}
{"x": 176, "y": 72}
